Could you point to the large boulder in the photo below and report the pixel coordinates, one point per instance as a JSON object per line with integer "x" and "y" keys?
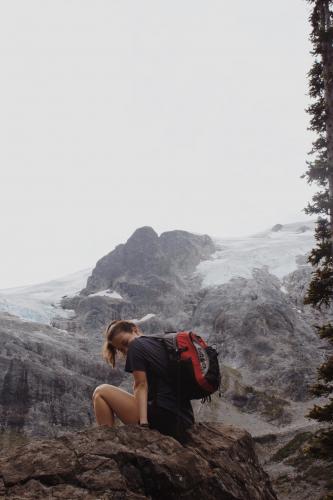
{"x": 134, "y": 463}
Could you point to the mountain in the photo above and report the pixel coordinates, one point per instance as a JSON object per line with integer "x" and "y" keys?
{"x": 234, "y": 292}
{"x": 245, "y": 295}
{"x": 281, "y": 248}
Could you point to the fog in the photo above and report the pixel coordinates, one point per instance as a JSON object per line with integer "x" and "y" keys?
{"x": 182, "y": 114}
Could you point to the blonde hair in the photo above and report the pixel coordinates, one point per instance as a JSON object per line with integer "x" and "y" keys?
{"x": 116, "y": 326}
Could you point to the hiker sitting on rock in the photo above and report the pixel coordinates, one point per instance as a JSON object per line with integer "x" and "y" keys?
{"x": 153, "y": 402}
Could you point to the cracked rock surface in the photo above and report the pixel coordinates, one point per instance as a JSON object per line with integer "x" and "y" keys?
{"x": 129, "y": 462}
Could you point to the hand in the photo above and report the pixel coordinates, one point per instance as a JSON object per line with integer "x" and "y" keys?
{"x": 143, "y": 422}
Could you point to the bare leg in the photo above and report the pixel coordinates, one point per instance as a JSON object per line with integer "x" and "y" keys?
{"x": 109, "y": 400}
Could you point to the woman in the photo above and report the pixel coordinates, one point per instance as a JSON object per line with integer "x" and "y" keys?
{"x": 153, "y": 402}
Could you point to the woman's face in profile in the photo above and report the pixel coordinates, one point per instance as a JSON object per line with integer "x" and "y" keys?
{"x": 121, "y": 341}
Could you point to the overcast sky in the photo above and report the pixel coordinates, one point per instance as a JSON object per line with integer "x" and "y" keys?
{"x": 116, "y": 114}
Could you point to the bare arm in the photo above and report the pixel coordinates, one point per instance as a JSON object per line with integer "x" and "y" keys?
{"x": 140, "y": 391}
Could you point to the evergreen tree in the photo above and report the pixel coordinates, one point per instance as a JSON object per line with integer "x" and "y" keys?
{"x": 320, "y": 170}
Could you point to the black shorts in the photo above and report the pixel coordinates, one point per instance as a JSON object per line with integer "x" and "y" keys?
{"x": 166, "y": 422}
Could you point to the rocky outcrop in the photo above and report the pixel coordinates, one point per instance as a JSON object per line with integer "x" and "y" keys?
{"x": 129, "y": 462}
{"x": 146, "y": 255}
{"x": 261, "y": 333}
{"x": 296, "y": 473}
{"x": 151, "y": 274}
{"x": 47, "y": 377}
{"x": 296, "y": 285}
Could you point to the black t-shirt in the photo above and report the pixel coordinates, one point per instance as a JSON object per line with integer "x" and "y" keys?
{"x": 148, "y": 354}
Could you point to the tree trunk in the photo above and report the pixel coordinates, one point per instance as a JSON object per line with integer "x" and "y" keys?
{"x": 327, "y": 55}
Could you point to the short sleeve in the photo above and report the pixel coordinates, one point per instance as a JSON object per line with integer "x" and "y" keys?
{"x": 135, "y": 359}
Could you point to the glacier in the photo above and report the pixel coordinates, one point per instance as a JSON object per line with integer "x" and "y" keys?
{"x": 282, "y": 251}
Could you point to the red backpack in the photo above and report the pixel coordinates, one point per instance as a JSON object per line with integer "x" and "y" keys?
{"x": 193, "y": 365}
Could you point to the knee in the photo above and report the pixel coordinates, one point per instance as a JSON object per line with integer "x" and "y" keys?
{"x": 100, "y": 389}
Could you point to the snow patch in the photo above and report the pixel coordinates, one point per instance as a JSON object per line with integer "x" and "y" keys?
{"x": 143, "y": 319}
{"x": 107, "y": 293}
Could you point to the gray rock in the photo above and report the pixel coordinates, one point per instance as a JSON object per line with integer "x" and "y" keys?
{"x": 259, "y": 325}
{"x": 132, "y": 463}
{"x": 260, "y": 332}
{"x": 47, "y": 377}
{"x": 147, "y": 258}
{"x": 153, "y": 275}
{"x": 265, "y": 335}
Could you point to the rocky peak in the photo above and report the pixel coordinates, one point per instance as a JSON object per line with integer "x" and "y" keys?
{"x": 144, "y": 236}
{"x": 142, "y": 254}
{"x": 186, "y": 250}
{"x": 145, "y": 254}
{"x": 151, "y": 274}
{"x": 129, "y": 462}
